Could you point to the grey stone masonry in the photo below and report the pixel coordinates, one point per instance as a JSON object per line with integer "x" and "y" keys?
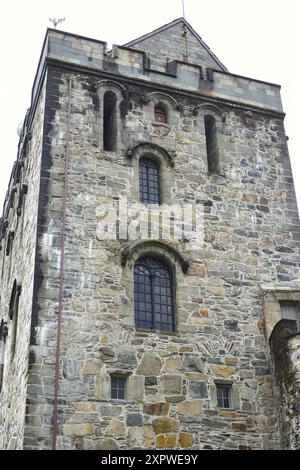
{"x": 78, "y": 285}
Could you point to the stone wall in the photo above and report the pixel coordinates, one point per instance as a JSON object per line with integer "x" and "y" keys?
{"x": 251, "y": 236}
{"x": 19, "y": 265}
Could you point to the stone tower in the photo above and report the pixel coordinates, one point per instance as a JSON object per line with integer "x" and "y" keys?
{"x": 112, "y": 340}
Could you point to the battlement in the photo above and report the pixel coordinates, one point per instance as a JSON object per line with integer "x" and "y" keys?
{"x": 81, "y": 52}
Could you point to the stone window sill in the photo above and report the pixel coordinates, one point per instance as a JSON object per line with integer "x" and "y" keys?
{"x": 147, "y": 332}
{"x": 120, "y": 402}
{"x": 161, "y": 124}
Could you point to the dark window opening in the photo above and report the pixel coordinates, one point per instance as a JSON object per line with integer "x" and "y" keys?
{"x": 118, "y": 388}
{"x": 13, "y": 315}
{"x": 153, "y": 295}
{"x": 211, "y": 144}
{"x": 110, "y": 121}
{"x": 149, "y": 181}
{"x": 160, "y": 115}
{"x": 3, "y": 335}
{"x": 23, "y": 192}
{"x": 224, "y": 396}
{"x": 9, "y": 244}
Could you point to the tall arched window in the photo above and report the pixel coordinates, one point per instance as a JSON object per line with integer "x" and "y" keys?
{"x": 153, "y": 295}
{"x": 149, "y": 181}
{"x": 211, "y": 144}
{"x": 160, "y": 114}
{"x": 110, "y": 121}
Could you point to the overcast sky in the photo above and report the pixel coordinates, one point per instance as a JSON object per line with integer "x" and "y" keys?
{"x": 257, "y": 38}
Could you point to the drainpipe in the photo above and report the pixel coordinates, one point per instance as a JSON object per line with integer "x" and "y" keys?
{"x": 62, "y": 268}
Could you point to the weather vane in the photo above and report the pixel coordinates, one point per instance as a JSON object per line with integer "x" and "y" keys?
{"x": 56, "y": 21}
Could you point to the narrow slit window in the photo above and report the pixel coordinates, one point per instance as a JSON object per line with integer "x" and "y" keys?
{"x": 224, "y": 396}
{"x": 160, "y": 115}
{"x": 211, "y": 144}
{"x": 110, "y": 122}
{"x": 13, "y": 315}
{"x": 2, "y": 356}
{"x": 3, "y": 335}
{"x": 149, "y": 181}
{"x": 118, "y": 388}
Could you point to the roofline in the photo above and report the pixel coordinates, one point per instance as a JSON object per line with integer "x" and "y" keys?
{"x": 169, "y": 25}
{"x": 77, "y": 36}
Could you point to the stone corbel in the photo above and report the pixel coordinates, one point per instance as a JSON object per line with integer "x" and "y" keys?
{"x": 179, "y": 107}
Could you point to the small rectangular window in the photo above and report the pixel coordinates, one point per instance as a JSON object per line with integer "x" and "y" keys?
{"x": 118, "y": 388}
{"x": 224, "y": 396}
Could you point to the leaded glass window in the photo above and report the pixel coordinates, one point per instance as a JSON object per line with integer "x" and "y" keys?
{"x": 149, "y": 181}
{"x": 118, "y": 388}
{"x": 153, "y": 295}
{"x": 224, "y": 396}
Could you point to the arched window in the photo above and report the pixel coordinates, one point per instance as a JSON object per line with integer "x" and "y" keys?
{"x": 149, "y": 181}
{"x": 211, "y": 144}
{"x": 153, "y": 295}
{"x": 110, "y": 121}
{"x": 160, "y": 114}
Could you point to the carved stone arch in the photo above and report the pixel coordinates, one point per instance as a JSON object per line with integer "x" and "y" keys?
{"x": 146, "y": 148}
{"x": 159, "y": 97}
{"x": 109, "y": 84}
{"x": 132, "y": 252}
{"x": 207, "y": 108}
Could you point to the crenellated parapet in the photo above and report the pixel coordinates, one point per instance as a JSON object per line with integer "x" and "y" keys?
{"x": 130, "y": 63}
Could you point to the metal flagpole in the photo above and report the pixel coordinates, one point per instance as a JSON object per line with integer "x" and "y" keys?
{"x": 183, "y": 10}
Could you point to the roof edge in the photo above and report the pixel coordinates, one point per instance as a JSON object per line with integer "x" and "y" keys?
{"x": 169, "y": 25}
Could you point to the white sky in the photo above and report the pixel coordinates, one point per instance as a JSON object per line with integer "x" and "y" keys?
{"x": 257, "y": 38}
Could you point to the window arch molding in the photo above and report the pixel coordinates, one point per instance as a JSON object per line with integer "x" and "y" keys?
{"x": 157, "y": 248}
{"x": 207, "y": 108}
{"x": 147, "y": 148}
